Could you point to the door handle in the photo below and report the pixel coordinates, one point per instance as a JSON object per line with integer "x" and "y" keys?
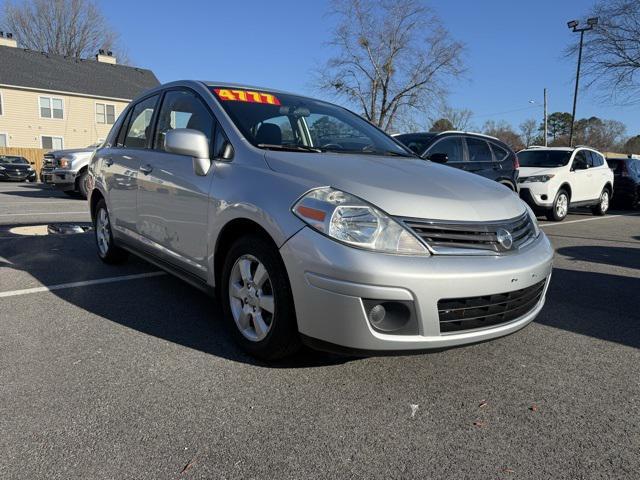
{"x": 108, "y": 161}
{"x": 146, "y": 169}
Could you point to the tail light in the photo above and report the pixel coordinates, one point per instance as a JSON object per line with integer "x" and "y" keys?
{"x": 516, "y": 163}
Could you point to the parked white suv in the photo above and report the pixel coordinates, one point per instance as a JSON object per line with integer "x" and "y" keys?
{"x": 552, "y": 179}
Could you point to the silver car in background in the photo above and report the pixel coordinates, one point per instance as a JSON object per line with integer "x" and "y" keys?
{"x": 313, "y": 226}
{"x": 67, "y": 170}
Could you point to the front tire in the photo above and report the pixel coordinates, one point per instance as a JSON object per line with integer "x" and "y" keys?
{"x": 603, "y": 205}
{"x": 560, "y": 207}
{"x": 257, "y": 300}
{"x": 107, "y": 250}
{"x": 83, "y": 184}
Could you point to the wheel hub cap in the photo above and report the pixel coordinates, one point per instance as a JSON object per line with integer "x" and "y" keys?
{"x": 251, "y": 298}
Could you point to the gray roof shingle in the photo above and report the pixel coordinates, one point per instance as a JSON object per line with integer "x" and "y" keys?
{"x": 27, "y": 68}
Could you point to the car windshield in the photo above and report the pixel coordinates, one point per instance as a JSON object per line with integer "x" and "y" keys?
{"x": 544, "y": 158}
{"x": 13, "y": 160}
{"x": 418, "y": 142}
{"x": 278, "y": 121}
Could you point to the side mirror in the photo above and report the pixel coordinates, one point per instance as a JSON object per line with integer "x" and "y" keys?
{"x": 439, "y": 157}
{"x": 32, "y": 163}
{"x": 192, "y": 143}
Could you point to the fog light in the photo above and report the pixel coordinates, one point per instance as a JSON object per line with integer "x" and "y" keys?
{"x": 543, "y": 197}
{"x": 395, "y": 317}
{"x": 376, "y": 314}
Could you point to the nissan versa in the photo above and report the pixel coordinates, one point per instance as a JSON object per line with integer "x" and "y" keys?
{"x": 312, "y": 225}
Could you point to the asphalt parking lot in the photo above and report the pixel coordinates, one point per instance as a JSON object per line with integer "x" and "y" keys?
{"x": 134, "y": 376}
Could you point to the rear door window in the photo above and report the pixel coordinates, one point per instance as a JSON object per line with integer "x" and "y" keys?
{"x": 596, "y": 159}
{"x": 139, "y": 129}
{"x": 479, "y": 150}
{"x": 499, "y": 153}
{"x": 451, "y": 146}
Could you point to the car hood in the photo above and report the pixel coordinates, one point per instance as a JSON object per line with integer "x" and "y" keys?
{"x": 529, "y": 171}
{"x": 62, "y": 153}
{"x": 405, "y": 187}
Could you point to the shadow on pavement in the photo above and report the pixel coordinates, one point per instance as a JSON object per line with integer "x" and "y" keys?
{"x": 599, "y": 305}
{"x": 614, "y": 256}
{"x": 164, "y": 307}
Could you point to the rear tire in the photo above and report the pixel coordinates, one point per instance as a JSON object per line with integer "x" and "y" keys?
{"x": 107, "y": 250}
{"x": 603, "y": 205}
{"x": 560, "y": 207}
{"x": 257, "y": 300}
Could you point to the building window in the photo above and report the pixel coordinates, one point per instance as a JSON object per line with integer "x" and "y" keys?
{"x": 52, "y": 143}
{"x": 4, "y": 140}
{"x": 51, "y": 107}
{"x": 105, "y": 113}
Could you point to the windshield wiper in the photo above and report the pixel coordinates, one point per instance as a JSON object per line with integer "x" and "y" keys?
{"x": 290, "y": 148}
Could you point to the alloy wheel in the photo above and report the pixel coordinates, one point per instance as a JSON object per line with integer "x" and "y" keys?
{"x": 562, "y": 205}
{"x": 102, "y": 231}
{"x": 251, "y": 298}
{"x": 604, "y": 201}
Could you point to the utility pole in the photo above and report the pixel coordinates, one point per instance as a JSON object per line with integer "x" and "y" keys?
{"x": 573, "y": 24}
{"x": 545, "y": 118}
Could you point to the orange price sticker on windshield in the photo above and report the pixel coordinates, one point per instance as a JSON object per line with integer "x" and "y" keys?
{"x": 246, "y": 96}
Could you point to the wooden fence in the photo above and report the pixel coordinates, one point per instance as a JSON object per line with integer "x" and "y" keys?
{"x": 32, "y": 154}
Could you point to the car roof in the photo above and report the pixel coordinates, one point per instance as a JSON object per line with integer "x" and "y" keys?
{"x": 448, "y": 132}
{"x": 243, "y": 86}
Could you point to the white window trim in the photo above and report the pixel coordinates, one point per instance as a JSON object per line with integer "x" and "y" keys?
{"x": 51, "y": 98}
{"x": 6, "y": 134}
{"x": 115, "y": 113}
{"x": 52, "y": 136}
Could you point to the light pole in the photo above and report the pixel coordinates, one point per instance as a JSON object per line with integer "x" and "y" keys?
{"x": 573, "y": 24}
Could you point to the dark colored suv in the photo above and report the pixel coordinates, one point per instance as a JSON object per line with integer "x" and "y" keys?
{"x": 626, "y": 180}
{"x": 472, "y": 152}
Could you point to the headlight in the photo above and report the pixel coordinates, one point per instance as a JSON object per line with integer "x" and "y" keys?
{"x": 534, "y": 220}
{"x": 65, "y": 162}
{"x": 538, "y": 178}
{"x": 350, "y": 220}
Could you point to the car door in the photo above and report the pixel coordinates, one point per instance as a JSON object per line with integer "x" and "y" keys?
{"x": 581, "y": 177}
{"x": 172, "y": 200}
{"x": 121, "y": 163}
{"x": 480, "y": 158}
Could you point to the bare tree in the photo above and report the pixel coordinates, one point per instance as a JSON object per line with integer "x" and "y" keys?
{"x": 503, "y": 131}
{"x": 394, "y": 58}
{"x": 460, "y": 119}
{"x": 73, "y": 28}
{"x": 611, "y": 54}
{"x": 528, "y": 131}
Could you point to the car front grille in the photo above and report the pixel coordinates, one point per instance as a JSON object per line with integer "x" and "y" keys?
{"x": 49, "y": 161}
{"x": 455, "y": 238}
{"x": 459, "y": 314}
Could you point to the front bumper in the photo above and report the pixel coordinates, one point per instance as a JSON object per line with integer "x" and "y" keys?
{"x": 12, "y": 175}
{"x": 59, "y": 178}
{"x": 330, "y": 280}
{"x": 538, "y": 195}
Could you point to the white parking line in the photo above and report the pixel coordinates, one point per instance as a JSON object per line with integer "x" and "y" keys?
{"x": 38, "y": 202}
{"x": 86, "y": 283}
{"x": 40, "y": 213}
{"x": 608, "y": 217}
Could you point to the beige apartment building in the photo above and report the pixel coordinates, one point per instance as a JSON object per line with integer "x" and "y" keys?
{"x": 56, "y": 102}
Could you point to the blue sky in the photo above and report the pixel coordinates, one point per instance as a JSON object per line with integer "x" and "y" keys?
{"x": 514, "y": 49}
